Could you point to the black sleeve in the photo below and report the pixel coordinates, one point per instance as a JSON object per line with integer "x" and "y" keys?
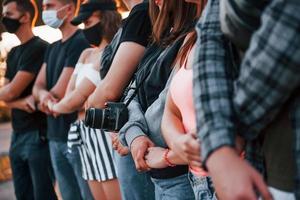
{"x": 33, "y": 59}
{"x": 74, "y": 51}
{"x": 8, "y": 71}
{"x": 137, "y": 28}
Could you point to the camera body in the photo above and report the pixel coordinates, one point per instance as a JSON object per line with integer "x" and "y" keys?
{"x": 112, "y": 118}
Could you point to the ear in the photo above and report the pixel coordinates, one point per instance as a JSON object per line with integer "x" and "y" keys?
{"x": 25, "y": 18}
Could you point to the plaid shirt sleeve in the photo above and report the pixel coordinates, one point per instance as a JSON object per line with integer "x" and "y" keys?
{"x": 213, "y": 84}
{"x": 270, "y": 71}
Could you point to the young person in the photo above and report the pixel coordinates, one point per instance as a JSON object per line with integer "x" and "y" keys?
{"x": 29, "y": 153}
{"x": 118, "y": 61}
{"x": 101, "y": 22}
{"x": 169, "y": 31}
{"x": 51, "y": 84}
{"x": 264, "y": 84}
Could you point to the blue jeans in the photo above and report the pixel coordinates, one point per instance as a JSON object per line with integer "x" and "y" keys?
{"x": 134, "y": 185}
{"x": 31, "y": 167}
{"x": 67, "y": 170}
{"x": 178, "y": 188}
{"x": 203, "y": 187}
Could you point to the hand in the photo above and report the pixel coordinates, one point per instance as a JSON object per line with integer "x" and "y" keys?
{"x": 155, "y": 158}
{"x": 139, "y": 147}
{"x": 122, "y": 150}
{"x": 30, "y": 102}
{"x": 234, "y": 178}
{"x": 45, "y": 97}
{"x": 51, "y": 107}
{"x": 27, "y": 105}
{"x": 187, "y": 146}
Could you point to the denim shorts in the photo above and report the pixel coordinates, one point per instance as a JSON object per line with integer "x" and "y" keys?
{"x": 203, "y": 187}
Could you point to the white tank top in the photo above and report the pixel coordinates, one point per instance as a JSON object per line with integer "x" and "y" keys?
{"x": 86, "y": 71}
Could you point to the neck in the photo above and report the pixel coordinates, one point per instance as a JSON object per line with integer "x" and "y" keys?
{"x": 131, "y": 3}
{"x": 67, "y": 31}
{"x": 24, "y": 34}
{"x": 103, "y": 44}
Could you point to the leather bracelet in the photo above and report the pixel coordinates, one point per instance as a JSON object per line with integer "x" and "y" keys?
{"x": 167, "y": 160}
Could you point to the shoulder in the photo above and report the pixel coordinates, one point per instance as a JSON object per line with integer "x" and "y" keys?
{"x": 78, "y": 42}
{"x": 87, "y": 52}
{"x": 141, "y": 7}
{"x": 39, "y": 45}
{"x": 139, "y": 10}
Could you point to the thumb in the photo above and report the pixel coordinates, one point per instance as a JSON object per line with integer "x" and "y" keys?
{"x": 150, "y": 143}
{"x": 260, "y": 185}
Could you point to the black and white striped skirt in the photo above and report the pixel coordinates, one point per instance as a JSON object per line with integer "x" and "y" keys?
{"x": 95, "y": 148}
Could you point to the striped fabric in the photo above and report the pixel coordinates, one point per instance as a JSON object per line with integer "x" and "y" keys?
{"x": 95, "y": 148}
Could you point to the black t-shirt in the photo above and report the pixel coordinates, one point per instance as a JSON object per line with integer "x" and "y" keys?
{"x": 58, "y": 56}
{"x": 26, "y": 57}
{"x": 136, "y": 28}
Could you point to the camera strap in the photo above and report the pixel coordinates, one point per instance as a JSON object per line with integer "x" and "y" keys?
{"x": 136, "y": 89}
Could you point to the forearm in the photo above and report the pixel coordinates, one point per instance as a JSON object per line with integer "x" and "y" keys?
{"x": 6, "y": 94}
{"x": 104, "y": 93}
{"x": 136, "y": 125}
{"x": 14, "y": 104}
{"x": 171, "y": 128}
{"x": 70, "y": 103}
{"x": 175, "y": 159}
{"x": 38, "y": 91}
{"x": 214, "y": 73}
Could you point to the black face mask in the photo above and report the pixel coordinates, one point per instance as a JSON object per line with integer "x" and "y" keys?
{"x": 11, "y": 25}
{"x": 94, "y": 34}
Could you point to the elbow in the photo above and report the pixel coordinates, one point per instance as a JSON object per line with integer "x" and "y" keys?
{"x": 111, "y": 94}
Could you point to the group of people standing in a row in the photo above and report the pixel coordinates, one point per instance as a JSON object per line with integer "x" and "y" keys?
{"x": 213, "y": 89}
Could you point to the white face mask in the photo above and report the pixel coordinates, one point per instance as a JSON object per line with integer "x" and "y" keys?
{"x": 50, "y": 18}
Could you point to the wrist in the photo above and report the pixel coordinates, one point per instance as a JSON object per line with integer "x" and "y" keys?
{"x": 166, "y": 158}
{"x": 224, "y": 152}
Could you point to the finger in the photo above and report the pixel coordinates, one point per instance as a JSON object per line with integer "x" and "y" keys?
{"x": 261, "y": 186}
{"x": 142, "y": 163}
{"x": 195, "y": 164}
{"x": 193, "y": 158}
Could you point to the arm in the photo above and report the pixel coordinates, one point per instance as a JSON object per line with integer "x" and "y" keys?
{"x": 26, "y": 104}
{"x": 12, "y": 90}
{"x": 75, "y": 99}
{"x": 133, "y": 134}
{"x": 39, "y": 91}
{"x": 123, "y": 67}
{"x": 59, "y": 89}
{"x": 173, "y": 131}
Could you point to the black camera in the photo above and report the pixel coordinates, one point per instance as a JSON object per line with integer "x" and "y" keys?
{"x": 112, "y": 118}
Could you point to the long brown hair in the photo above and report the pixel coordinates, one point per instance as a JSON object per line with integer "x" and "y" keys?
{"x": 169, "y": 23}
{"x": 185, "y": 49}
{"x": 110, "y": 21}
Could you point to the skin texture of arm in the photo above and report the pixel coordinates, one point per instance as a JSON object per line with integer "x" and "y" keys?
{"x": 173, "y": 131}
{"x": 13, "y": 89}
{"x": 118, "y": 76}
{"x": 57, "y": 92}
{"x": 75, "y": 96}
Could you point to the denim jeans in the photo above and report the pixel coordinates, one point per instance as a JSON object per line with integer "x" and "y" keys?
{"x": 134, "y": 185}
{"x": 178, "y": 188}
{"x": 31, "y": 167}
{"x": 68, "y": 172}
{"x": 203, "y": 187}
